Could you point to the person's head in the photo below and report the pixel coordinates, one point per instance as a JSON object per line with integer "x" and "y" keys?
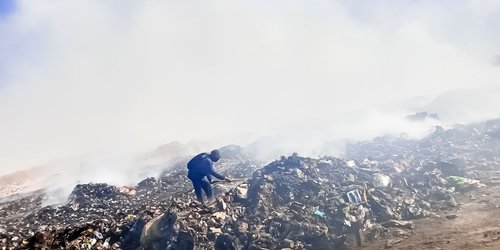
{"x": 215, "y": 155}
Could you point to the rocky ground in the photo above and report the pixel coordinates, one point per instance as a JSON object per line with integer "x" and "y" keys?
{"x": 382, "y": 194}
{"x": 475, "y": 224}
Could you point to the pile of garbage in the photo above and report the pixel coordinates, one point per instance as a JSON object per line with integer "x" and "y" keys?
{"x": 465, "y": 150}
{"x": 98, "y": 215}
{"x": 305, "y": 203}
{"x": 292, "y": 203}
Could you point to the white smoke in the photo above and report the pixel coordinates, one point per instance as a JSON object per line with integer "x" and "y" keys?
{"x": 126, "y": 76}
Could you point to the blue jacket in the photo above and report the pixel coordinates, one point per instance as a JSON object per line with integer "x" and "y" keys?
{"x": 201, "y": 166}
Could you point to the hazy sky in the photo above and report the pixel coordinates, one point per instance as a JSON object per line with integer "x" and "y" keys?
{"x": 80, "y": 76}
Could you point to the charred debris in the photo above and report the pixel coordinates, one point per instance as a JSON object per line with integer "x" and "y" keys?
{"x": 377, "y": 191}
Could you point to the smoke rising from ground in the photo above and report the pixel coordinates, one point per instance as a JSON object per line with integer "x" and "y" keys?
{"x": 126, "y": 76}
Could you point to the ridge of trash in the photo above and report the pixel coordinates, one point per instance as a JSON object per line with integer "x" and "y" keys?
{"x": 292, "y": 203}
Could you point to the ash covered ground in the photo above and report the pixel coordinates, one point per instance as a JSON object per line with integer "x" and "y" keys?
{"x": 376, "y": 191}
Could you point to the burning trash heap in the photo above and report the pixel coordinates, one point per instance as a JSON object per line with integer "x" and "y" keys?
{"x": 292, "y": 203}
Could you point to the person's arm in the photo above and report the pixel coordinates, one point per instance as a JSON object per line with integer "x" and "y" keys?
{"x": 215, "y": 174}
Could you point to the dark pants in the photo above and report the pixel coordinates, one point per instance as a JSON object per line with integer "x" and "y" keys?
{"x": 200, "y": 184}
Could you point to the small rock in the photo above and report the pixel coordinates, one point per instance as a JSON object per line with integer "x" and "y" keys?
{"x": 451, "y": 216}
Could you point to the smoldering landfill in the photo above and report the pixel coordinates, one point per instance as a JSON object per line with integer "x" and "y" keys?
{"x": 376, "y": 191}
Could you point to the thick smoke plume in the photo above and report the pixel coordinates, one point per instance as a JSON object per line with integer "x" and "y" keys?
{"x": 115, "y": 78}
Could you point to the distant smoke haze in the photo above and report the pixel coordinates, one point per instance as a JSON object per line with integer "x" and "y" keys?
{"x": 496, "y": 60}
{"x": 123, "y": 77}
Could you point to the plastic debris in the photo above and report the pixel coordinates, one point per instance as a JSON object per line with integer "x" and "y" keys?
{"x": 319, "y": 213}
